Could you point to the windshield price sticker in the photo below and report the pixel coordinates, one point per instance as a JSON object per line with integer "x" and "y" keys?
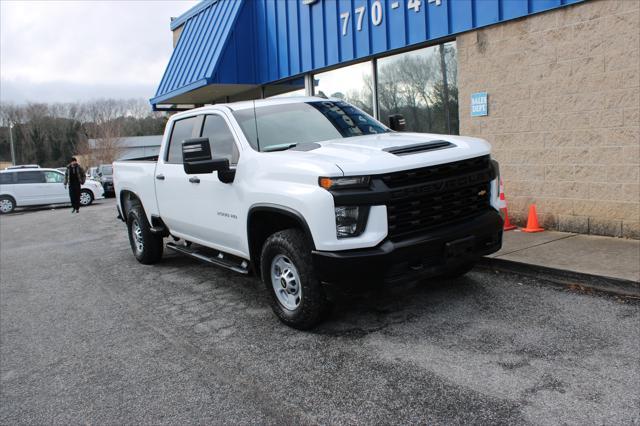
{"x": 377, "y": 14}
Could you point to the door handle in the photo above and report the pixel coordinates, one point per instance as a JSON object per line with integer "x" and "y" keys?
{"x": 160, "y": 177}
{"x": 194, "y": 180}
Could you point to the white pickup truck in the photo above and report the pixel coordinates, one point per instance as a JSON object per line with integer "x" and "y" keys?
{"x": 310, "y": 193}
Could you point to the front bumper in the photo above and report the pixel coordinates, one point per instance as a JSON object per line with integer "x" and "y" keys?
{"x": 429, "y": 254}
{"x": 108, "y": 187}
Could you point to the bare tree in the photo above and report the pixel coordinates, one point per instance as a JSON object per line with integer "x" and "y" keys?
{"x": 48, "y": 134}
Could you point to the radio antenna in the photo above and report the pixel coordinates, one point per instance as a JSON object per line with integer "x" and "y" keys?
{"x": 255, "y": 120}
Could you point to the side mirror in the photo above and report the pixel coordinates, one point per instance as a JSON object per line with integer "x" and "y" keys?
{"x": 197, "y": 159}
{"x": 397, "y": 122}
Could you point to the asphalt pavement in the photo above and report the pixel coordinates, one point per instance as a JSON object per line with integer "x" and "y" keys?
{"x": 88, "y": 335}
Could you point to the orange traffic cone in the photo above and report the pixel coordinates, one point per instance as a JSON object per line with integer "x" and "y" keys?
{"x": 508, "y": 226}
{"x": 532, "y": 221}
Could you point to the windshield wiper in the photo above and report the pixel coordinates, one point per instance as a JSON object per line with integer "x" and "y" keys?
{"x": 280, "y": 147}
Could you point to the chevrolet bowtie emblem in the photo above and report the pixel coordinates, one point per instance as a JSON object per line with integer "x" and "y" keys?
{"x": 481, "y": 193}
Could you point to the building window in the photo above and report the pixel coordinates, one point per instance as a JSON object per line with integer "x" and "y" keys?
{"x": 354, "y": 84}
{"x": 293, "y": 87}
{"x": 421, "y": 85}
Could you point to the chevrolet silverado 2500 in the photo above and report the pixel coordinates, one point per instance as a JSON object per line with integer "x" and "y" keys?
{"x": 305, "y": 192}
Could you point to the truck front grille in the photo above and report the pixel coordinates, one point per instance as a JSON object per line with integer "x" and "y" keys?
{"x": 423, "y": 199}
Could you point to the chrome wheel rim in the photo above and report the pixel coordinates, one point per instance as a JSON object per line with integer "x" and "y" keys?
{"x": 286, "y": 282}
{"x": 85, "y": 198}
{"x": 136, "y": 233}
{"x": 6, "y": 206}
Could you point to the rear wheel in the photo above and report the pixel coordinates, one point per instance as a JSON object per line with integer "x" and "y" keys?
{"x": 86, "y": 197}
{"x": 146, "y": 246}
{"x": 296, "y": 294}
{"x": 7, "y": 204}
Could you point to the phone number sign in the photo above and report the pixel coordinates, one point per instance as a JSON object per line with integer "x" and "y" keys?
{"x": 376, "y": 12}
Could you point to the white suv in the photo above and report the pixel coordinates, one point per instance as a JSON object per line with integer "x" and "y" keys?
{"x": 32, "y": 187}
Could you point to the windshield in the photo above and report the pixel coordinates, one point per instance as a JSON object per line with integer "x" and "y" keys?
{"x": 286, "y": 125}
{"x": 106, "y": 170}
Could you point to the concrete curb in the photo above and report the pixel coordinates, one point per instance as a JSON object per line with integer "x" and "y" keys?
{"x": 565, "y": 278}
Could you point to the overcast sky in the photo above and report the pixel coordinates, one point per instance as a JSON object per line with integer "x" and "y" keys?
{"x": 64, "y": 51}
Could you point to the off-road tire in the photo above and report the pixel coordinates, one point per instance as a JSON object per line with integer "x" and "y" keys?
{"x": 152, "y": 244}
{"x": 313, "y": 305}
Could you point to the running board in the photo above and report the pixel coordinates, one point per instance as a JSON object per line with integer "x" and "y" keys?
{"x": 217, "y": 258}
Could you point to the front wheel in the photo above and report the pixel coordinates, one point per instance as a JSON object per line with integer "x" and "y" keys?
{"x": 86, "y": 197}
{"x": 296, "y": 294}
{"x": 147, "y": 247}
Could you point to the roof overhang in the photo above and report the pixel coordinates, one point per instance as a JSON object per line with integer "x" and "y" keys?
{"x": 202, "y": 69}
{"x": 206, "y": 94}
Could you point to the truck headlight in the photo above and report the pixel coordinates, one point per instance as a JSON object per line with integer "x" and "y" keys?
{"x": 350, "y": 221}
{"x": 344, "y": 182}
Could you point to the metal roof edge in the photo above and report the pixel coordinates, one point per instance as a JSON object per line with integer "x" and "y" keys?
{"x": 190, "y": 13}
{"x": 180, "y": 90}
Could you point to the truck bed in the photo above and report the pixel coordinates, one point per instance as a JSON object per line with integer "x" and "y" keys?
{"x": 137, "y": 176}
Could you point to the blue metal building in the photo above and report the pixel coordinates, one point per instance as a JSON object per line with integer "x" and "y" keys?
{"x": 242, "y": 49}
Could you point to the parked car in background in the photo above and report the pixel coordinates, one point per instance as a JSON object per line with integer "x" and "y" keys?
{"x": 92, "y": 173}
{"x": 23, "y": 166}
{"x": 105, "y": 176}
{"x": 40, "y": 186}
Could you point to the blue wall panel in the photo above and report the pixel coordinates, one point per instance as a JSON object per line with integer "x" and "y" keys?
{"x": 362, "y": 36}
{"x": 461, "y": 15}
{"x": 438, "y": 20}
{"x": 346, "y": 43}
{"x": 317, "y": 34}
{"x": 283, "y": 38}
{"x": 542, "y": 5}
{"x": 272, "y": 41}
{"x": 263, "y": 41}
{"x": 332, "y": 36}
{"x": 306, "y": 46}
{"x": 416, "y": 23}
{"x": 294, "y": 38}
{"x": 514, "y": 9}
{"x": 397, "y": 16}
{"x": 486, "y": 12}
{"x": 378, "y": 32}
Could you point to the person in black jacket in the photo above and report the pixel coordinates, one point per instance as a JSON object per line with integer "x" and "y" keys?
{"x": 74, "y": 177}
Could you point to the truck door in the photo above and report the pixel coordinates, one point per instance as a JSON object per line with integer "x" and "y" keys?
{"x": 172, "y": 183}
{"x": 218, "y": 203}
{"x": 200, "y": 208}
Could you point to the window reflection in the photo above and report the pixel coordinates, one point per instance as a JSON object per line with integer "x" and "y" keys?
{"x": 353, "y": 84}
{"x": 421, "y": 85}
{"x": 294, "y": 87}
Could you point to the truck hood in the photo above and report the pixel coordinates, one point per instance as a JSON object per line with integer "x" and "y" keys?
{"x": 370, "y": 154}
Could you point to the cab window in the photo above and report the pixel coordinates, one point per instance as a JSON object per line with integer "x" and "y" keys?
{"x": 31, "y": 177}
{"x": 182, "y": 129}
{"x": 54, "y": 177}
{"x": 221, "y": 139}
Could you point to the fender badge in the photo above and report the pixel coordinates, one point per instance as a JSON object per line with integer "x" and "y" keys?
{"x": 483, "y": 192}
